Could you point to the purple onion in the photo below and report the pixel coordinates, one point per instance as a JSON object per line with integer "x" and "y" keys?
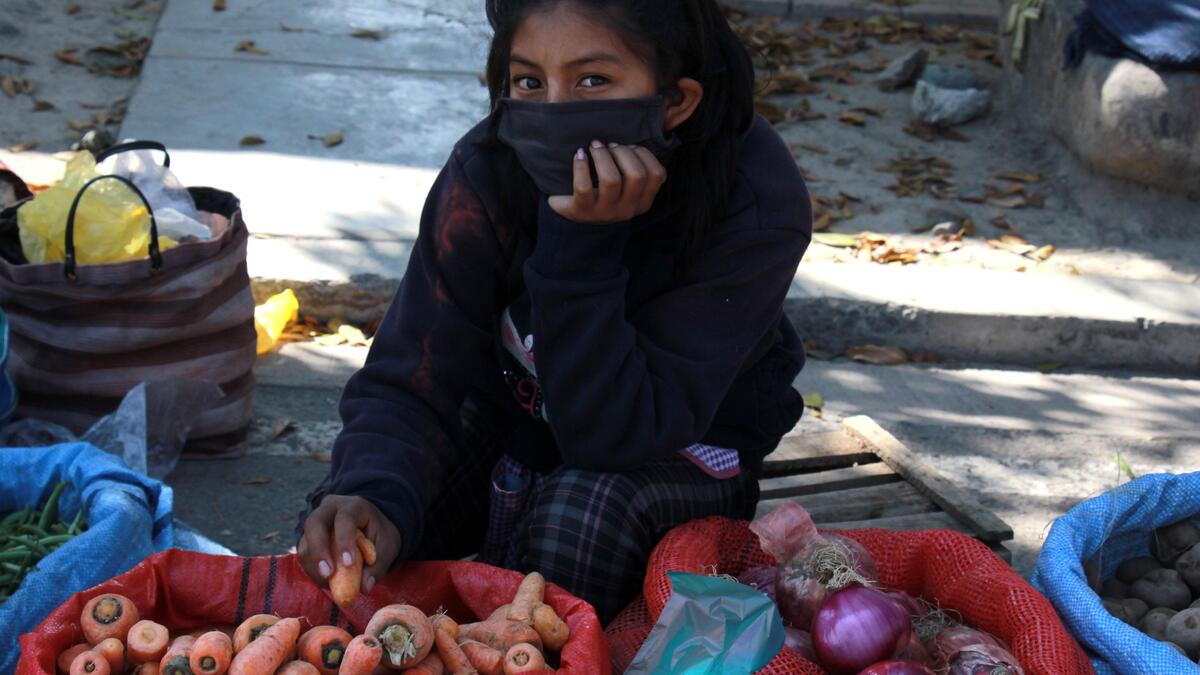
{"x": 799, "y": 641}
{"x": 762, "y": 579}
{"x": 896, "y": 667}
{"x": 858, "y": 626}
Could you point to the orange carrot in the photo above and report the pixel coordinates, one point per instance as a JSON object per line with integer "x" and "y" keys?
{"x": 298, "y": 668}
{"x": 445, "y": 634}
{"x": 90, "y": 662}
{"x": 501, "y": 613}
{"x": 251, "y": 628}
{"x": 531, "y": 591}
{"x": 225, "y": 628}
{"x": 146, "y": 669}
{"x": 175, "y": 661}
{"x": 523, "y": 658}
{"x": 553, "y": 630}
{"x": 66, "y": 658}
{"x": 430, "y": 665}
{"x": 500, "y": 635}
{"x": 362, "y": 655}
{"x": 113, "y": 651}
{"x": 367, "y": 548}
{"x": 346, "y": 580}
{"x": 264, "y": 655}
{"x": 107, "y": 615}
{"x": 212, "y": 654}
{"x": 486, "y": 660}
{"x": 324, "y": 647}
{"x": 404, "y": 631}
{"x": 146, "y": 642}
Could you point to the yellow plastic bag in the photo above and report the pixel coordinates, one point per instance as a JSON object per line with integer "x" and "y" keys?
{"x": 111, "y": 223}
{"x": 271, "y": 317}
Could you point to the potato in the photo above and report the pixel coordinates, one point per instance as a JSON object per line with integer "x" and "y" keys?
{"x": 1154, "y": 623}
{"x": 1184, "y": 630}
{"x": 1114, "y": 588}
{"x": 1162, "y": 588}
{"x": 1117, "y": 608}
{"x": 1135, "y": 568}
{"x": 1188, "y": 566}
{"x": 1168, "y": 543}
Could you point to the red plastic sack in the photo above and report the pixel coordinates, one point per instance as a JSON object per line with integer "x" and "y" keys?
{"x": 184, "y": 590}
{"x": 946, "y": 567}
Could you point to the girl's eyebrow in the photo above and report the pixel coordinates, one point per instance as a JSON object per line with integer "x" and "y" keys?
{"x": 588, "y": 58}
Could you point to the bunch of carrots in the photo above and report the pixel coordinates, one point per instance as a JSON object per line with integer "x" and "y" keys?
{"x": 398, "y": 638}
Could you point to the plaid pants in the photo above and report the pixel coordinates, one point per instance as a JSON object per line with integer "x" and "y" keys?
{"x": 589, "y": 532}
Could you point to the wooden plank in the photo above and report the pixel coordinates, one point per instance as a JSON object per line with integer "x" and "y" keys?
{"x": 867, "y": 503}
{"x": 1001, "y": 551}
{"x": 807, "y": 453}
{"x": 955, "y": 501}
{"x": 827, "y": 481}
{"x": 937, "y": 520}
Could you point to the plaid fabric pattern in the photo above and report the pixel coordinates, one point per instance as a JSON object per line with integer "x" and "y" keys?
{"x": 513, "y": 487}
{"x": 714, "y": 461}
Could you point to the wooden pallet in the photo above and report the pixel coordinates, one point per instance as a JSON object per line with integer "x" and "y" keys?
{"x": 863, "y": 477}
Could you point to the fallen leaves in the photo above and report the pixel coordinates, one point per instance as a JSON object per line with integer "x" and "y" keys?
{"x": 826, "y": 210}
{"x": 944, "y": 243}
{"x": 15, "y": 59}
{"x": 41, "y": 106}
{"x": 250, "y": 141}
{"x": 878, "y": 355}
{"x": 122, "y": 60}
{"x": 814, "y": 400}
{"x": 282, "y": 429}
{"x": 1014, "y": 243}
{"x": 850, "y": 117}
{"x": 333, "y": 140}
{"x": 249, "y": 47}
{"x": 915, "y": 175}
{"x": 835, "y": 239}
{"x": 931, "y": 132}
{"x": 218, "y": 5}
{"x": 23, "y": 147}
{"x": 366, "y": 34}
{"x": 321, "y": 457}
{"x": 1020, "y": 176}
{"x": 14, "y": 87}
{"x": 256, "y": 481}
{"x": 72, "y": 8}
{"x": 69, "y": 57}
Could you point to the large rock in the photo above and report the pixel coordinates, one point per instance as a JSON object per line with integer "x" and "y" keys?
{"x": 903, "y": 70}
{"x": 1120, "y": 117}
{"x": 947, "y": 107}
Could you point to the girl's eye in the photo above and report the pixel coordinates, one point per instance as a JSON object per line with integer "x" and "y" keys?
{"x": 592, "y": 81}
{"x": 526, "y": 83}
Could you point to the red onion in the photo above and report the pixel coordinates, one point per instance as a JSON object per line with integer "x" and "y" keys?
{"x": 824, "y": 565}
{"x": 858, "y": 626}
{"x": 800, "y": 642}
{"x": 915, "y": 608}
{"x": 912, "y": 649}
{"x": 897, "y": 667}
{"x": 960, "y": 650}
{"x": 799, "y": 597}
{"x": 762, "y": 579}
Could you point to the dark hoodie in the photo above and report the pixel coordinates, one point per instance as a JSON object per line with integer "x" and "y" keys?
{"x": 633, "y": 362}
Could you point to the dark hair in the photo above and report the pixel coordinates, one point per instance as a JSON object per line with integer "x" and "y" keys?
{"x": 677, "y": 38}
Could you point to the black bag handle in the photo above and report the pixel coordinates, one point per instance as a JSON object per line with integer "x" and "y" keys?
{"x": 69, "y": 257}
{"x": 135, "y": 145}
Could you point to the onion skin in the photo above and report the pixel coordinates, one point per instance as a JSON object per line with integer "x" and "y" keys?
{"x": 960, "y": 650}
{"x": 857, "y": 627}
{"x": 762, "y": 578}
{"x": 896, "y": 667}
{"x": 799, "y": 641}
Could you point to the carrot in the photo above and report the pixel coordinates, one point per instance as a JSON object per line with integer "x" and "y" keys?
{"x": 523, "y": 658}
{"x": 67, "y": 657}
{"x": 107, "y": 615}
{"x": 146, "y": 642}
{"x": 324, "y": 647}
{"x": 298, "y": 668}
{"x": 250, "y": 629}
{"x": 430, "y": 665}
{"x": 367, "y": 548}
{"x": 346, "y": 580}
{"x": 175, "y": 661}
{"x": 404, "y": 631}
{"x": 264, "y": 655}
{"x": 113, "y": 651}
{"x": 500, "y": 635}
{"x": 146, "y": 669}
{"x": 553, "y": 630}
{"x": 501, "y": 613}
{"x": 212, "y": 654}
{"x": 225, "y": 628}
{"x": 445, "y": 633}
{"x": 531, "y": 591}
{"x": 90, "y": 662}
{"x": 486, "y": 660}
{"x": 362, "y": 655}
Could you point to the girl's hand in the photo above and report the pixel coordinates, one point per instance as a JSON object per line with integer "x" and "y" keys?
{"x": 332, "y": 528}
{"x": 630, "y": 178}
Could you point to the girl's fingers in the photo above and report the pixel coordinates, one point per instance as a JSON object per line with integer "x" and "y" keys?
{"x": 633, "y": 179}
{"x": 313, "y": 549}
{"x": 585, "y": 194}
{"x": 656, "y": 177}
{"x": 349, "y": 520}
{"x": 609, "y": 175}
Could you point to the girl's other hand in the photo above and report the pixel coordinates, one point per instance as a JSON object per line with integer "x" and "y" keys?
{"x": 629, "y": 177}
{"x": 331, "y": 529}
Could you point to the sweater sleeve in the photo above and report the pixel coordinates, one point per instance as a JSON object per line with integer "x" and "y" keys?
{"x": 621, "y": 390}
{"x": 399, "y": 410}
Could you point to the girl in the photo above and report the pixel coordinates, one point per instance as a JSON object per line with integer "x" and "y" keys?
{"x": 588, "y": 347}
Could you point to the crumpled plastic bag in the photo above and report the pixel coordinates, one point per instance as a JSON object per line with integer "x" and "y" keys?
{"x": 711, "y": 625}
{"x": 148, "y": 429}
{"x": 111, "y": 223}
{"x": 173, "y": 206}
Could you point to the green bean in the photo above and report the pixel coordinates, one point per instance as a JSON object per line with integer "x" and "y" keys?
{"x": 50, "y": 511}
{"x": 31, "y": 544}
{"x": 13, "y": 519}
{"x": 12, "y": 567}
{"x": 13, "y": 554}
{"x": 56, "y": 539}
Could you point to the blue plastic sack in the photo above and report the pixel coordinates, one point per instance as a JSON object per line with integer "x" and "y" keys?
{"x": 128, "y": 517}
{"x": 711, "y": 625}
{"x": 1111, "y": 528}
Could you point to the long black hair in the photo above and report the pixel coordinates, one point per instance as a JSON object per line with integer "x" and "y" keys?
{"x": 677, "y": 39}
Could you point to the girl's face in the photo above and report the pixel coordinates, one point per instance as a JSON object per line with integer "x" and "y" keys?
{"x": 561, "y": 54}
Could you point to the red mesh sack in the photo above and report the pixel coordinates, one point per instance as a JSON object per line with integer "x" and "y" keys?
{"x": 946, "y": 567}
{"x": 184, "y": 590}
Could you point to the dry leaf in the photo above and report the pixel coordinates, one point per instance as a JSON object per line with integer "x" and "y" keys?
{"x": 290, "y": 29}
{"x": 968, "y": 227}
{"x": 1013, "y": 202}
{"x": 80, "y": 126}
{"x": 815, "y": 148}
{"x": 218, "y": 5}
{"x": 282, "y": 429}
{"x": 333, "y": 139}
{"x": 1044, "y": 252}
{"x": 249, "y": 47}
{"x": 851, "y": 117}
{"x": 365, "y": 34}
{"x": 823, "y": 222}
{"x": 257, "y": 481}
{"x": 1013, "y": 244}
{"x": 252, "y": 140}
{"x": 68, "y": 56}
{"x": 330, "y": 339}
{"x": 352, "y": 335}
{"x": 878, "y": 355}
{"x": 835, "y": 239}
{"x": 945, "y": 243}
{"x": 39, "y": 105}
{"x": 270, "y": 535}
{"x": 72, "y": 8}
{"x": 8, "y": 86}
{"x": 23, "y": 147}
{"x": 814, "y": 400}
{"x": 321, "y": 457}
{"x": 15, "y": 58}
{"x": 929, "y": 132}
{"x": 925, "y": 357}
{"x": 773, "y": 112}
{"x": 1020, "y": 177}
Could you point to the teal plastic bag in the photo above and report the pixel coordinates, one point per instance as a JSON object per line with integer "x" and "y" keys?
{"x": 711, "y": 625}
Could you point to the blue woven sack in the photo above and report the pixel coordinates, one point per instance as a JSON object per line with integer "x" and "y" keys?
{"x": 128, "y": 517}
{"x": 1111, "y": 528}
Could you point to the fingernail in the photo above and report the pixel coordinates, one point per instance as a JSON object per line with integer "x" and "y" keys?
{"x": 324, "y": 569}
{"x": 347, "y": 559}
{"x": 580, "y": 154}
{"x": 597, "y": 144}
{"x": 369, "y": 583}
{"x": 633, "y": 147}
{"x": 613, "y": 146}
